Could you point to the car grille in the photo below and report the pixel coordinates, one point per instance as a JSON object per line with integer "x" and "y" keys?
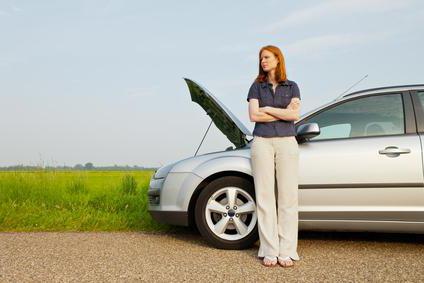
{"x": 154, "y": 199}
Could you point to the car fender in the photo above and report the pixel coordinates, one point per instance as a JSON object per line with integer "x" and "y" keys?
{"x": 222, "y": 164}
{"x": 213, "y": 166}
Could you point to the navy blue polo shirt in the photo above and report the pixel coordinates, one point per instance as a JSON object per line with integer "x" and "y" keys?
{"x": 284, "y": 92}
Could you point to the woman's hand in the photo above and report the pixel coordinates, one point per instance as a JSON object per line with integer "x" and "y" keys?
{"x": 290, "y": 113}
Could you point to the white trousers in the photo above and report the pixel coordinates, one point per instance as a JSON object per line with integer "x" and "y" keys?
{"x": 276, "y": 159}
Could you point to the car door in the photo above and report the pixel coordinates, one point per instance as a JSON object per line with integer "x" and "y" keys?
{"x": 418, "y": 101}
{"x": 366, "y": 164}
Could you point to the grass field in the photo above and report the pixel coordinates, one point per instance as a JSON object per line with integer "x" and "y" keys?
{"x": 76, "y": 201}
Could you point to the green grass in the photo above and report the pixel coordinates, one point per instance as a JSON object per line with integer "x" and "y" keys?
{"x": 76, "y": 201}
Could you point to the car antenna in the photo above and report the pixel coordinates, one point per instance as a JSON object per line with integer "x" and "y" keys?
{"x": 352, "y": 86}
{"x": 203, "y": 138}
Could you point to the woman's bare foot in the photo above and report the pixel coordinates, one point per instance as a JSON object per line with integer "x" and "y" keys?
{"x": 269, "y": 261}
{"x": 285, "y": 262}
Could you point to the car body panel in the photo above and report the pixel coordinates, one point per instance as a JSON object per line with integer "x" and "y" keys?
{"x": 189, "y": 164}
{"x": 357, "y": 161}
{"x": 189, "y": 174}
{"x": 344, "y": 184}
{"x": 225, "y": 164}
{"x": 422, "y": 150}
{"x": 172, "y": 191}
{"x": 367, "y": 203}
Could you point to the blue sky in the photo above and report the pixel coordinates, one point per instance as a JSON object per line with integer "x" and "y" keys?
{"x": 101, "y": 81}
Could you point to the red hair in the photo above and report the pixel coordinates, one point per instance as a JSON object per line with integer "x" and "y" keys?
{"x": 280, "y": 72}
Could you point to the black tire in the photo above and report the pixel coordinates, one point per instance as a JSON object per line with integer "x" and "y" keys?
{"x": 200, "y": 215}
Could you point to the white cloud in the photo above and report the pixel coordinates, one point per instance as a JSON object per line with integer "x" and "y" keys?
{"x": 15, "y": 8}
{"x": 9, "y": 8}
{"x": 334, "y": 8}
{"x": 321, "y": 43}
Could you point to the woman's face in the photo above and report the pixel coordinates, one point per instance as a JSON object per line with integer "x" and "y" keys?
{"x": 268, "y": 61}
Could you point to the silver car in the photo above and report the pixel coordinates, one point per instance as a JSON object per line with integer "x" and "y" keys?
{"x": 361, "y": 169}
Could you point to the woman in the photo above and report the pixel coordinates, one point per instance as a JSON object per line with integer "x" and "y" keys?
{"x": 274, "y": 103}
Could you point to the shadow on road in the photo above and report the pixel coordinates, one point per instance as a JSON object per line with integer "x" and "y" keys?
{"x": 190, "y": 234}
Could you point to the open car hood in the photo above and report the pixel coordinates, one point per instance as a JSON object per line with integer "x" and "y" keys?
{"x": 226, "y": 122}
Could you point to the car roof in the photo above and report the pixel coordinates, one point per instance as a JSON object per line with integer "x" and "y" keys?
{"x": 386, "y": 89}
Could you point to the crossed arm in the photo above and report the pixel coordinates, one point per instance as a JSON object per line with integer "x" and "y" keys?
{"x": 270, "y": 114}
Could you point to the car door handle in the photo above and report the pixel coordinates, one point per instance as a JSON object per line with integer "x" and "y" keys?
{"x": 394, "y": 151}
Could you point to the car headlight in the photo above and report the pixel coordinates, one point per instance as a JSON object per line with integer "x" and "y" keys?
{"x": 163, "y": 171}
{"x": 155, "y": 176}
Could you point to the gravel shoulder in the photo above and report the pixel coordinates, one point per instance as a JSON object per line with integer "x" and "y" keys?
{"x": 185, "y": 256}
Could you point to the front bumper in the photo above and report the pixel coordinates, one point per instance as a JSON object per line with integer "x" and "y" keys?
{"x": 168, "y": 198}
{"x": 179, "y": 218}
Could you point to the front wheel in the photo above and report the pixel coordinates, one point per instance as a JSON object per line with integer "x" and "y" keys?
{"x": 225, "y": 213}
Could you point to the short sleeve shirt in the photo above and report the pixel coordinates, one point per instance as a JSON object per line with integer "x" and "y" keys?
{"x": 284, "y": 92}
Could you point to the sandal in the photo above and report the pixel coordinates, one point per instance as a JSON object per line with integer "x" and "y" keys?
{"x": 269, "y": 261}
{"x": 286, "y": 261}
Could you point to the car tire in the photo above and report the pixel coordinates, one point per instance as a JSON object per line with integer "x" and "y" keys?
{"x": 226, "y": 227}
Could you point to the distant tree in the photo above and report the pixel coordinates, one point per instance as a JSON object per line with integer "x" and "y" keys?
{"x": 79, "y": 167}
{"x": 88, "y": 165}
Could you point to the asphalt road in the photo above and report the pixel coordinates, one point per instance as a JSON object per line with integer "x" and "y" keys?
{"x": 184, "y": 256}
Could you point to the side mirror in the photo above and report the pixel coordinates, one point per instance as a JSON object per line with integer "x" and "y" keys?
{"x": 307, "y": 131}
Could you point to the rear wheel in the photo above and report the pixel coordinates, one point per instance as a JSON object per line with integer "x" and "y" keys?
{"x": 225, "y": 213}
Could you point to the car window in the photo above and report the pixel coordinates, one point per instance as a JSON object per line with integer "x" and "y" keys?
{"x": 368, "y": 116}
{"x": 421, "y": 97}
